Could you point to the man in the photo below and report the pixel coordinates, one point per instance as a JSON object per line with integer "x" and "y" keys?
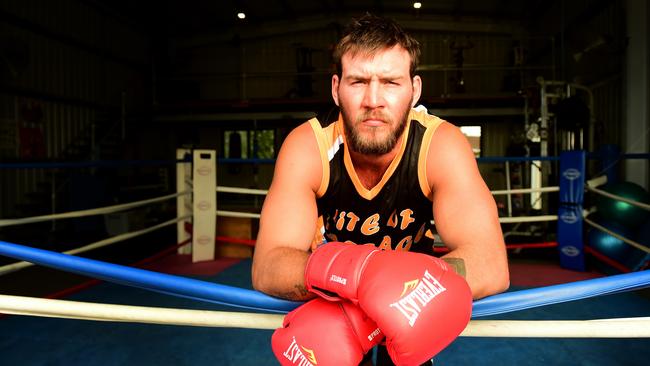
{"x": 380, "y": 175}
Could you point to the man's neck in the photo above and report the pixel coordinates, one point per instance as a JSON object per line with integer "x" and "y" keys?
{"x": 371, "y": 168}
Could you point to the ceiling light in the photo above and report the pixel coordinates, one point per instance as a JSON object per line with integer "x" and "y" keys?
{"x": 241, "y": 15}
{"x": 417, "y": 5}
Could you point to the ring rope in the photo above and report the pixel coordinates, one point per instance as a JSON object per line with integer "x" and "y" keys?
{"x": 150, "y": 280}
{"x": 250, "y": 215}
{"x": 525, "y": 190}
{"x": 243, "y": 298}
{"x": 102, "y": 243}
{"x": 510, "y": 220}
{"x": 496, "y": 192}
{"x": 242, "y": 190}
{"x": 89, "y": 212}
{"x": 607, "y": 260}
{"x": 618, "y": 236}
{"x": 638, "y": 204}
{"x": 226, "y": 239}
{"x": 600, "y": 328}
{"x": 555, "y": 294}
{"x": 503, "y": 220}
{"x": 596, "y": 182}
{"x": 224, "y": 189}
{"x": 19, "y": 305}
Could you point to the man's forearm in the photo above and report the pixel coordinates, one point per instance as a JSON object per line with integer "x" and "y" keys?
{"x": 458, "y": 264}
{"x": 280, "y": 273}
{"x": 484, "y": 277}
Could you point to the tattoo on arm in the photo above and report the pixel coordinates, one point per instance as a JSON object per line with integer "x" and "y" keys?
{"x": 300, "y": 293}
{"x": 458, "y": 264}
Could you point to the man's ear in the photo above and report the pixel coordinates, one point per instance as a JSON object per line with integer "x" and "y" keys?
{"x": 417, "y": 90}
{"x": 335, "y": 89}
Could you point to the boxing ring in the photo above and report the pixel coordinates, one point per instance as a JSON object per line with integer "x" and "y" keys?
{"x": 196, "y": 235}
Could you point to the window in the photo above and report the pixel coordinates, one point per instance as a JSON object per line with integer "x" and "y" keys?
{"x": 265, "y": 144}
{"x": 249, "y": 144}
{"x": 236, "y": 145}
{"x": 473, "y": 134}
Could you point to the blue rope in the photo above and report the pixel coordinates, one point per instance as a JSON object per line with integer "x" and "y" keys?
{"x": 249, "y": 299}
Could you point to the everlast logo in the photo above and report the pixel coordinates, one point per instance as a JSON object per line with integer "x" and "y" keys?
{"x": 337, "y": 279}
{"x": 299, "y": 355}
{"x": 419, "y": 294}
{"x": 374, "y": 334}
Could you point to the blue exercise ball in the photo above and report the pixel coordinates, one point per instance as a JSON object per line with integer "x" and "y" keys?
{"x": 621, "y": 212}
{"x": 637, "y": 258}
{"x": 609, "y": 245}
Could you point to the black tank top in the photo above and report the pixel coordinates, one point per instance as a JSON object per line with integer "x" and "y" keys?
{"x": 395, "y": 214}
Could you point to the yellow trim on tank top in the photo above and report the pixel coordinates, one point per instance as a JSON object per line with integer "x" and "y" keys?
{"x": 349, "y": 167}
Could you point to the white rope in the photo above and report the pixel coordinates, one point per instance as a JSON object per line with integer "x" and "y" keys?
{"x": 238, "y": 214}
{"x": 618, "y": 236}
{"x": 102, "y": 243}
{"x": 19, "y": 305}
{"x": 638, "y": 204}
{"x": 601, "y": 328}
{"x": 539, "y": 218}
{"x": 261, "y": 192}
{"x": 503, "y": 220}
{"x": 90, "y": 212}
{"x": 525, "y": 190}
{"x": 497, "y": 192}
{"x": 597, "y": 182}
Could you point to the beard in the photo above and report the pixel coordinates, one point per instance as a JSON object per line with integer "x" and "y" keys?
{"x": 375, "y": 141}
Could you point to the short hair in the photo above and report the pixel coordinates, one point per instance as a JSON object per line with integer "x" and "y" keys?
{"x": 371, "y": 33}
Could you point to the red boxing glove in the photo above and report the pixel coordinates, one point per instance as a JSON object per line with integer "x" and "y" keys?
{"x": 418, "y": 302}
{"x": 323, "y": 333}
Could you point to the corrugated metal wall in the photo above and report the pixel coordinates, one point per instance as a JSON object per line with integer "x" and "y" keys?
{"x": 80, "y": 60}
{"x": 608, "y": 110}
{"x": 268, "y": 67}
{"x": 72, "y": 62}
{"x": 258, "y": 68}
{"x": 609, "y": 92}
{"x": 579, "y": 27}
{"x": 486, "y": 59}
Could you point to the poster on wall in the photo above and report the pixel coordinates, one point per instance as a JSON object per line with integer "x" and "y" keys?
{"x": 8, "y": 139}
{"x": 31, "y": 123}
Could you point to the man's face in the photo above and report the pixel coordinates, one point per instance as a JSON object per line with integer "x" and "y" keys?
{"x": 375, "y": 93}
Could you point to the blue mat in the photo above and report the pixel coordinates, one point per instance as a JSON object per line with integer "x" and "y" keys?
{"x": 42, "y": 341}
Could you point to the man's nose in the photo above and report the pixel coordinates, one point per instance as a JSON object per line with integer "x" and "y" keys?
{"x": 373, "y": 96}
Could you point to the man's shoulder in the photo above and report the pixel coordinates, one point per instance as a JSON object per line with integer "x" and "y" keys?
{"x": 313, "y": 139}
{"x": 422, "y": 116}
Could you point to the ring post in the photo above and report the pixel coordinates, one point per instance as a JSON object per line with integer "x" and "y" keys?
{"x": 204, "y": 208}
{"x": 183, "y": 203}
{"x": 570, "y": 222}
